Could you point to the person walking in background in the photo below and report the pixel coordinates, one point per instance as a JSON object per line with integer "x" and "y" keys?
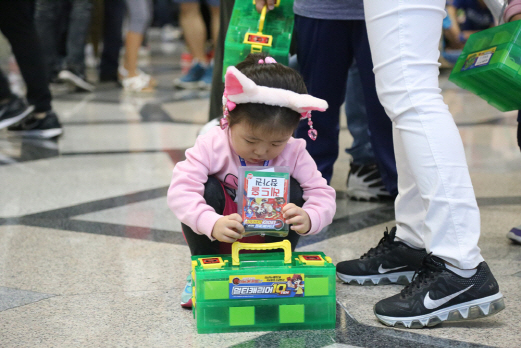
{"x": 194, "y": 32}
{"x": 139, "y": 17}
{"x": 113, "y": 15}
{"x": 54, "y": 20}
{"x": 330, "y": 36}
{"x": 513, "y": 13}
{"x": 37, "y": 120}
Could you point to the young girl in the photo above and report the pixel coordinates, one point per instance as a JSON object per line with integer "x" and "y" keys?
{"x": 263, "y": 103}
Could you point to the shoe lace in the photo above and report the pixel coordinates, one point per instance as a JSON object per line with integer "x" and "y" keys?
{"x": 383, "y": 245}
{"x": 428, "y": 271}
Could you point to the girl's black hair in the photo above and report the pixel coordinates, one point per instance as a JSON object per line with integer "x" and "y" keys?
{"x": 268, "y": 117}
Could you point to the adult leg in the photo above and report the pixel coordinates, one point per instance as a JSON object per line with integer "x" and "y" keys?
{"x": 79, "y": 21}
{"x": 217, "y": 89}
{"x": 380, "y": 126}
{"x": 47, "y": 20}
{"x": 404, "y": 38}
{"x": 139, "y": 17}
{"x": 114, "y": 12}
{"x": 356, "y": 115}
{"x": 17, "y": 24}
{"x": 194, "y": 30}
{"x": 324, "y": 58}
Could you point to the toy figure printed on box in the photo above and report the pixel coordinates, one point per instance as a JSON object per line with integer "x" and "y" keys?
{"x": 264, "y": 192}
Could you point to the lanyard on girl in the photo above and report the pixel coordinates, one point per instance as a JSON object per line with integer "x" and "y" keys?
{"x": 243, "y": 162}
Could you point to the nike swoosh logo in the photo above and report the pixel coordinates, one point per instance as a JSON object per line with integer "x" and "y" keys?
{"x": 431, "y": 304}
{"x": 385, "y": 270}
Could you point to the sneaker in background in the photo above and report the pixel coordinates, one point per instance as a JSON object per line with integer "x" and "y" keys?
{"x": 437, "y": 294}
{"x": 364, "y": 183}
{"x": 206, "y": 80}
{"x": 192, "y": 78}
{"x": 76, "y": 79}
{"x": 388, "y": 262}
{"x": 44, "y": 126}
{"x": 515, "y": 234}
{"x": 186, "y": 296}
{"x": 15, "y": 110}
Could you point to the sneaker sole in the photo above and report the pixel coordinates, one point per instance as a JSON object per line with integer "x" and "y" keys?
{"x": 16, "y": 119}
{"x": 475, "y": 309}
{"x": 187, "y": 85}
{"x": 67, "y": 76}
{"x": 43, "y": 134}
{"x": 378, "y": 279}
{"x": 512, "y": 236}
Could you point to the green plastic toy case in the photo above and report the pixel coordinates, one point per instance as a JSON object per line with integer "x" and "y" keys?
{"x": 490, "y": 66}
{"x": 263, "y": 291}
{"x": 250, "y": 31}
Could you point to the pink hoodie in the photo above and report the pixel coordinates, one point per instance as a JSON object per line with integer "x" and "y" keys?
{"x": 212, "y": 154}
{"x": 514, "y": 8}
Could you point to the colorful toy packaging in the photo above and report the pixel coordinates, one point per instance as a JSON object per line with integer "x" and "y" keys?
{"x": 263, "y": 291}
{"x": 490, "y": 66}
{"x": 264, "y": 192}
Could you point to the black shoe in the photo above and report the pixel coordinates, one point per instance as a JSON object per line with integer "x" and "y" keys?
{"x": 76, "y": 79}
{"x": 14, "y": 111}
{"x": 436, "y": 294}
{"x": 364, "y": 183}
{"x": 46, "y": 127}
{"x": 388, "y": 262}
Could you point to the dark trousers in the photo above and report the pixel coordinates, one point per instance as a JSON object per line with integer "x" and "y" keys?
{"x": 214, "y": 195}
{"x": 114, "y": 12}
{"x": 17, "y": 25}
{"x": 216, "y": 95}
{"x": 51, "y": 17}
{"x": 325, "y": 51}
{"x": 519, "y": 129}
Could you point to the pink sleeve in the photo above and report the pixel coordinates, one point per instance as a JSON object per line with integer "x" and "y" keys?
{"x": 319, "y": 196}
{"x": 514, "y": 8}
{"x": 185, "y": 195}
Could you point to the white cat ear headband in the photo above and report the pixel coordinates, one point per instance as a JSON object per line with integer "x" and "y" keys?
{"x": 239, "y": 89}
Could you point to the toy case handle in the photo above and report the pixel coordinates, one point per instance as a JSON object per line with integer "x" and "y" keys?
{"x": 237, "y": 246}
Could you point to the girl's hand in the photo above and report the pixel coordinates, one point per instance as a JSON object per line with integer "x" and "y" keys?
{"x": 228, "y": 229}
{"x": 297, "y": 217}
{"x": 517, "y": 17}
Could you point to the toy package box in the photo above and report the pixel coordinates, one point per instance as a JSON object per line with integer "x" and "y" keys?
{"x": 250, "y": 32}
{"x": 490, "y": 66}
{"x": 264, "y": 291}
{"x": 263, "y": 192}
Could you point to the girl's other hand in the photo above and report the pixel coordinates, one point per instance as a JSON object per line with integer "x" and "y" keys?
{"x": 297, "y": 217}
{"x": 228, "y": 229}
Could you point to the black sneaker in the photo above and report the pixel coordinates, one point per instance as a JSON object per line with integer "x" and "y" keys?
{"x": 364, "y": 183}
{"x": 46, "y": 127}
{"x": 14, "y": 111}
{"x": 436, "y": 294}
{"x": 389, "y": 262}
{"x": 76, "y": 79}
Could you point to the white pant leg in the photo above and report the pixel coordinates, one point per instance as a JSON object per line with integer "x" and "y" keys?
{"x": 404, "y": 37}
{"x": 409, "y": 208}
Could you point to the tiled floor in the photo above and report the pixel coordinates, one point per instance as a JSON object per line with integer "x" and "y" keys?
{"x": 91, "y": 256}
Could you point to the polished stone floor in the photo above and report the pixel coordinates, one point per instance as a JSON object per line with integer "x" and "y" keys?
{"x": 91, "y": 256}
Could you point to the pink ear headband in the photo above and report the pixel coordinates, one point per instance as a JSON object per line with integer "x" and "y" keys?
{"x": 240, "y": 89}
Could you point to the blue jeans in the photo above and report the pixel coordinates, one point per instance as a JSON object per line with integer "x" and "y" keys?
{"x": 59, "y": 21}
{"x": 356, "y": 115}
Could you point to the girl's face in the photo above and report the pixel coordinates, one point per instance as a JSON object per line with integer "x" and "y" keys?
{"x": 256, "y": 146}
